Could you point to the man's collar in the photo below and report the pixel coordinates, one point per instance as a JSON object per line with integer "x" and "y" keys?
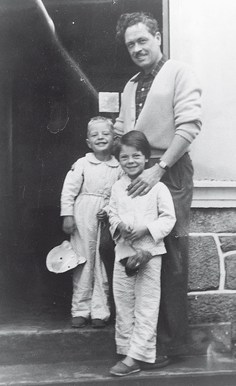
{"x": 154, "y": 72}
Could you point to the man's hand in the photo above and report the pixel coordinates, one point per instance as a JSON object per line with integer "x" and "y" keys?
{"x": 144, "y": 183}
{"x": 69, "y": 225}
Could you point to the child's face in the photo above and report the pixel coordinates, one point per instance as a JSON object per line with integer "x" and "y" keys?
{"x": 132, "y": 161}
{"x": 100, "y": 137}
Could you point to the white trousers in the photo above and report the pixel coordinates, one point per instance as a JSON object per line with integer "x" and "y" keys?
{"x": 137, "y": 300}
{"x": 91, "y": 289}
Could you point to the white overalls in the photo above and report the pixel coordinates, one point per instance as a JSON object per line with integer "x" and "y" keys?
{"x": 86, "y": 190}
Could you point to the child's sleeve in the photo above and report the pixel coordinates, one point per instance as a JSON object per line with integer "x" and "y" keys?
{"x": 165, "y": 222}
{"x": 114, "y": 218}
{"x": 71, "y": 187}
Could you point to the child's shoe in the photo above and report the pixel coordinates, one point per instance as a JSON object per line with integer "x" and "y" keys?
{"x": 121, "y": 369}
{"x": 98, "y": 323}
{"x": 78, "y": 322}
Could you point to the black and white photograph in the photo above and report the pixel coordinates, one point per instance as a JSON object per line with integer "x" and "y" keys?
{"x": 118, "y": 192}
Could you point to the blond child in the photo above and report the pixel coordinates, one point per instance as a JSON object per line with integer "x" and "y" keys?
{"x": 86, "y": 190}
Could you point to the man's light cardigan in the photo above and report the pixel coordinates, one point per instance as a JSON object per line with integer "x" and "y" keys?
{"x": 172, "y": 107}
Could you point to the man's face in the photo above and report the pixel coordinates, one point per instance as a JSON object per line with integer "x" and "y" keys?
{"x": 144, "y": 48}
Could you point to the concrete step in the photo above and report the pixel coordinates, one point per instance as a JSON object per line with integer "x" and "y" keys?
{"x": 27, "y": 334}
{"x": 39, "y": 347}
{"x": 20, "y": 344}
{"x": 210, "y": 370}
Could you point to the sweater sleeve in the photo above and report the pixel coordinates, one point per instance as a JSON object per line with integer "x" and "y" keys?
{"x": 165, "y": 222}
{"x": 187, "y": 104}
{"x": 114, "y": 218}
{"x": 119, "y": 124}
{"x": 71, "y": 188}
{"x": 126, "y": 119}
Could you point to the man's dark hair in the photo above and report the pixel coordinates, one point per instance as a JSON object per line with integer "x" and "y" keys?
{"x": 136, "y": 139}
{"x": 128, "y": 19}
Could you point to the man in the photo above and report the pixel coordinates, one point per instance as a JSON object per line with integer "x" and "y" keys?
{"x": 163, "y": 101}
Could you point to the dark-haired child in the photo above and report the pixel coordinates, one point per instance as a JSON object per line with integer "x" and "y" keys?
{"x": 138, "y": 226}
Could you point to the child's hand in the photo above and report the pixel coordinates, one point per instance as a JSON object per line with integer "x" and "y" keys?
{"x": 102, "y": 215}
{"x": 69, "y": 225}
{"x": 124, "y": 230}
{"x": 136, "y": 233}
{"x": 135, "y": 262}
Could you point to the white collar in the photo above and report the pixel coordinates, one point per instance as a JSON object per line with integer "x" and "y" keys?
{"x": 112, "y": 162}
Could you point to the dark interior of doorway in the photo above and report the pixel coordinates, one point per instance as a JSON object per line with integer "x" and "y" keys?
{"x": 48, "y": 106}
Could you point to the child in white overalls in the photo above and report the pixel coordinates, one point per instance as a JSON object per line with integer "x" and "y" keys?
{"x": 85, "y": 192}
{"x": 138, "y": 226}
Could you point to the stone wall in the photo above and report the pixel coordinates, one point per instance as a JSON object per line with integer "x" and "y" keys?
{"x": 212, "y": 267}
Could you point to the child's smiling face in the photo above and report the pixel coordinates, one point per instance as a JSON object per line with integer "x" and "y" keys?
{"x": 132, "y": 161}
{"x": 100, "y": 137}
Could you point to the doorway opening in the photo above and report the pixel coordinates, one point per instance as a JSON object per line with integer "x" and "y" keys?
{"x": 48, "y": 92}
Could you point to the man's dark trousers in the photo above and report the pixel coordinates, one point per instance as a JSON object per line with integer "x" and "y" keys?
{"x": 172, "y": 330}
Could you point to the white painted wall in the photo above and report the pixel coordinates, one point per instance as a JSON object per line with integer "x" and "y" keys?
{"x": 203, "y": 33}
